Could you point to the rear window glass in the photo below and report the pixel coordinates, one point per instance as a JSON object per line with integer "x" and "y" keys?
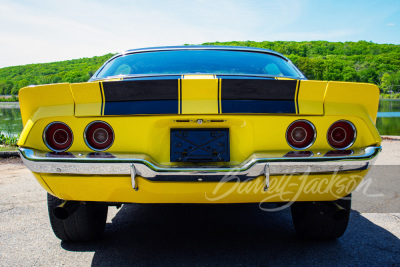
{"x": 198, "y": 62}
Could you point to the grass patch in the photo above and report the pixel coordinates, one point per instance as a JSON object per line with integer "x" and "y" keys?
{"x": 396, "y": 95}
{"x": 13, "y": 98}
{"x": 9, "y": 140}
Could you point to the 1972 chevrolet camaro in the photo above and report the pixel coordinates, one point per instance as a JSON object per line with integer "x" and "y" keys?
{"x": 199, "y": 124}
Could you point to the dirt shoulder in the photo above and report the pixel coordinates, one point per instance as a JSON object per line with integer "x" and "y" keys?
{"x": 390, "y": 154}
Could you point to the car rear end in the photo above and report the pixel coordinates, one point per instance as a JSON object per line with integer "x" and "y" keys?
{"x": 199, "y": 138}
{"x": 199, "y": 125}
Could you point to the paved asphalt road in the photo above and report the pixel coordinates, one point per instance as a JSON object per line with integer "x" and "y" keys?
{"x": 201, "y": 234}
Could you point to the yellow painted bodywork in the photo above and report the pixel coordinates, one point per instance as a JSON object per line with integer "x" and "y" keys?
{"x": 77, "y": 105}
{"x": 43, "y": 101}
{"x": 282, "y": 189}
{"x": 87, "y": 98}
{"x": 309, "y": 97}
{"x": 199, "y": 94}
{"x": 248, "y": 133}
{"x": 359, "y": 99}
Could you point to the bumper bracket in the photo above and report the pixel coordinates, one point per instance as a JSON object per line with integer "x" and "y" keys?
{"x": 133, "y": 178}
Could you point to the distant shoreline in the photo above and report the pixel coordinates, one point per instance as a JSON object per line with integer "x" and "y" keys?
{"x": 8, "y": 98}
{"x": 9, "y": 104}
{"x": 388, "y": 98}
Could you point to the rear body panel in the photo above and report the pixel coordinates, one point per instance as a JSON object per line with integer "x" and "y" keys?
{"x": 282, "y": 189}
{"x": 150, "y": 135}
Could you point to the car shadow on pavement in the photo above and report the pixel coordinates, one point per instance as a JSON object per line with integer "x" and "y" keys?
{"x": 240, "y": 234}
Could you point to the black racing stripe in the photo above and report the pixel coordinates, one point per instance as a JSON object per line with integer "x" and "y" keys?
{"x": 102, "y": 100}
{"x": 143, "y": 96}
{"x": 258, "y": 106}
{"x": 258, "y": 89}
{"x": 180, "y": 96}
{"x": 140, "y": 90}
{"x": 160, "y": 96}
{"x": 141, "y": 107}
{"x": 297, "y": 99}
{"x": 219, "y": 84}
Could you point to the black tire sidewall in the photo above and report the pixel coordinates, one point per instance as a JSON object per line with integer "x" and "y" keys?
{"x": 311, "y": 223}
{"x": 87, "y": 223}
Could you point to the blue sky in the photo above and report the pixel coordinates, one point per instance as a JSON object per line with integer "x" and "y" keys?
{"x": 51, "y": 30}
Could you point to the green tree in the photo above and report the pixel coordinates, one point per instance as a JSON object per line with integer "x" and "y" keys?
{"x": 390, "y": 82}
{"x": 6, "y": 87}
{"x": 319, "y": 60}
{"x": 350, "y": 74}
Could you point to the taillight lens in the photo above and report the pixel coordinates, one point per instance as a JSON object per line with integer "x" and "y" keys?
{"x": 99, "y": 135}
{"x": 301, "y": 134}
{"x": 58, "y": 136}
{"x": 341, "y": 134}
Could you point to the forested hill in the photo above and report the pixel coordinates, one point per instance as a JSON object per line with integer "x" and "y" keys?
{"x": 335, "y": 61}
{"x": 75, "y": 70}
{"x": 320, "y": 60}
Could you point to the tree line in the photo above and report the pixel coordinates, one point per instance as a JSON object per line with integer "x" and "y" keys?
{"x": 76, "y": 70}
{"x": 319, "y": 60}
{"x": 336, "y": 61}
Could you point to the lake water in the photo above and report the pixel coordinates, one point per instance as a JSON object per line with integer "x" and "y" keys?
{"x": 10, "y": 118}
{"x": 388, "y": 121}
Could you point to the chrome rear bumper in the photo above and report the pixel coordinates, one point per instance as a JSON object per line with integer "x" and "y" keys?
{"x": 141, "y": 165}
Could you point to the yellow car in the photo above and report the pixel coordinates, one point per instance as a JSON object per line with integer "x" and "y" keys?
{"x": 199, "y": 124}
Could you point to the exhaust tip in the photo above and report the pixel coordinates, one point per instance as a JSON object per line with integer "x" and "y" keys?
{"x": 60, "y": 213}
{"x": 339, "y": 214}
{"x": 66, "y": 209}
{"x": 332, "y": 209}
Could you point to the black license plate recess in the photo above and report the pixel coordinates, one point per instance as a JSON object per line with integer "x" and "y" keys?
{"x": 200, "y": 145}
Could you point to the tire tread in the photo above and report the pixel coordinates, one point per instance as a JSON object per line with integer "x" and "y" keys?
{"x": 85, "y": 224}
{"x": 311, "y": 223}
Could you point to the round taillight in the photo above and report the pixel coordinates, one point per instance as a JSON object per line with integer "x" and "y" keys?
{"x": 99, "y": 135}
{"x": 341, "y": 135}
{"x": 58, "y": 136}
{"x": 301, "y": 134}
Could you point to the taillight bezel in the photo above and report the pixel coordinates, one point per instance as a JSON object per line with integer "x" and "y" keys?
{"x": 354, "y": 136}
{"x": 45, "y": 135}
{"x": 85, "y": 136}
{"x": 314, "y": 136}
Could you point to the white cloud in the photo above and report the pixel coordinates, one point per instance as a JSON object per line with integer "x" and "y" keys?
{"x": 43, "y": 31}
{"x": 51, "y": 30}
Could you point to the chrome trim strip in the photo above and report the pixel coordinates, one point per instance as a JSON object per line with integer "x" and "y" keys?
{"x": 252, "y": 168}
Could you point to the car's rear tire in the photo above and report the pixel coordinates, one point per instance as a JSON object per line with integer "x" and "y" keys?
{"x": 311, "y": 221}
{"x": 85, "y": 224}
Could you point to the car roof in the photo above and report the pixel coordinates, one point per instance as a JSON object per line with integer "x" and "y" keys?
{"x": 201, "y": 47}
